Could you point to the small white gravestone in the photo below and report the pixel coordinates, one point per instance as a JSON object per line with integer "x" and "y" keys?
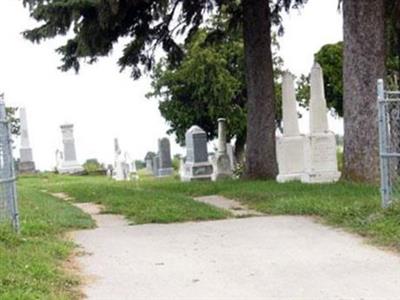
{"x": 59, "y": 159}
{"x": 223, "y": 168}
{"x": 26, "y": 164}
{"x": 229, "y": 150}
{"x": 197, "y": 166}
{"x": 181, "y": 167}
{"x": 119, "y": 172}
{"x": 290, "y": 145}
{"x": 321, "y": 161}
{"x": 69, "y": 163}
{"x": 131, "y": 166}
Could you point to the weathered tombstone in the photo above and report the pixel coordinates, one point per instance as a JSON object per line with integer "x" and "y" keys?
{"x": 197, "y": 166}
{"x": 181, "y": 167}
{"x": 321, "y": 160}
{"x": 119, "y": 172}
{"x": 26, "y": 164}
{"x": 156, "y": 164}
{"x": 131, "y": 167}
{"x": 69, "y": 164}
{"x": 229, "y": 150}
{"x": 59, "y": 159}
{"x": 149, "y": 161}
{"x": 164, "y": 150}
{"x": 223, "y": 168}
{"x": 291, "y": 144}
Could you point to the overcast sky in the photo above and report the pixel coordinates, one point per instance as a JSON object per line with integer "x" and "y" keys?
{"x": 103, "y": 103}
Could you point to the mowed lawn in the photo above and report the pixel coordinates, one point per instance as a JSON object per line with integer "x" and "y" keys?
{"x": 32, "y": 263}
{"x": 355, "y": 207}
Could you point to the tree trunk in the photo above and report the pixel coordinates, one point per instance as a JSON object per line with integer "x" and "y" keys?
{"x": 364, "y": 63}
{"x": 260, "y": 149}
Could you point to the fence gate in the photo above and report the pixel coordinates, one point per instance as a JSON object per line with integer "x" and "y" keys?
{"x": 8, "y": 193}
{"x": 389, "y": 143}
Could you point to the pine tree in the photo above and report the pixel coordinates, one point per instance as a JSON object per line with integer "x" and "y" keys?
{"x": 96, "y": 25}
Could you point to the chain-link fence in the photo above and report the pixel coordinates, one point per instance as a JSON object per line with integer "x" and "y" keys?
{"x": 8, "y": 193}
{"x": 389, "y": 143}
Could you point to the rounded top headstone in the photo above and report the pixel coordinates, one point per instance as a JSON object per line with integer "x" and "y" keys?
{"x": 195, "y": 129}
{"x": 67, "y": 125}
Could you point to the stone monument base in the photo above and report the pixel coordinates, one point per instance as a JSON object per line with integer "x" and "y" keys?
{"x": 197, "y": 171}
{"x": 165, "y": 172}
{"x": 321, "y": 160}
{"x": 222, "y": 169}
{"x": 26, "y": 167}
{"x": 291, "y": 159}
{"x": 70, "y": 168}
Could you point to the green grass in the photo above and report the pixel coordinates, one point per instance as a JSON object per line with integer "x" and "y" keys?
{"x": 355, "y": 207}
{"x": 31, "y": 262}
{"x": 139, "y": 203}
{"x": 30, "y": 265}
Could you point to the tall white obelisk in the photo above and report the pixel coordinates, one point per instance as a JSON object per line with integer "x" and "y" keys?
{"x": 26, "y": 163}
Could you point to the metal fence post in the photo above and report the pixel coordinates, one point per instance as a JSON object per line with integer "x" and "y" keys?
{"x": 383, "y": 135}
{"x": 8, "y": 192}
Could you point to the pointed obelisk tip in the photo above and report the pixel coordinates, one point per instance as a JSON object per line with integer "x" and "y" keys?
{"x": 316, "y": 65}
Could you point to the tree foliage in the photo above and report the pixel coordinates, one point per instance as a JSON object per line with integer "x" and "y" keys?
{"x": 13, "y": 120}
{"x": 207, "y": 85}
{"x": 94, "y": 26}
{"x": 330, "y": 57}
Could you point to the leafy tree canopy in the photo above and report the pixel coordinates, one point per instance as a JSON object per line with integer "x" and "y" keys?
{"x": 207, "y": 85}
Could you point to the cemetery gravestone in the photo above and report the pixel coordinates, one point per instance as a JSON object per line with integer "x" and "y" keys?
{"x": 321, "y": 160}
{"x": 197, "y": 166}
{"x": 26, "y": 164}
{"x": 229, "y": 150}
{"x": 290, "y": 145}
{"x": 156, "y": 164}
{"x": 119, "y": 172}
{"x": 223, "y": 169}
{"x": 149, "y": 161}
{"x": 165, "y": 162}
{"x": 69, "y": 164}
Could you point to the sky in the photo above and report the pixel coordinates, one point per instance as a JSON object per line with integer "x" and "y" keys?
{"x": 103, "y": 103}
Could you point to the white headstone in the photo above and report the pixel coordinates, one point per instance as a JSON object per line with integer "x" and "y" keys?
{"x": 69, "y": 164}
{"x": 26, "y": 164}
{"x": 119, "y": 172}
{"x": 229, "y": 150}
{"x": 321, "y": 160}
{"x": 197, "y": 166}
{"x": 223, "y": 168}
{"x": 289, "y": 110}
{"x": 290, "y": 146}
{"x": 318, "y": 109}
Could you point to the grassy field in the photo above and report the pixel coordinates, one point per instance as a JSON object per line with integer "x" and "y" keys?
{"x": 31, "y": 262}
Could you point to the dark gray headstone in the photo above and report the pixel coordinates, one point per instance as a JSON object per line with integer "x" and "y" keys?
{"x": 164, "y": 149}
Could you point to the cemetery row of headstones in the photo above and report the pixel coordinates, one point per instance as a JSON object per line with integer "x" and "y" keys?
{"x": 308, "y": 158}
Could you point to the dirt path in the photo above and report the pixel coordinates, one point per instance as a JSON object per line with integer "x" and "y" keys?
{"x": 247, "y": 258}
